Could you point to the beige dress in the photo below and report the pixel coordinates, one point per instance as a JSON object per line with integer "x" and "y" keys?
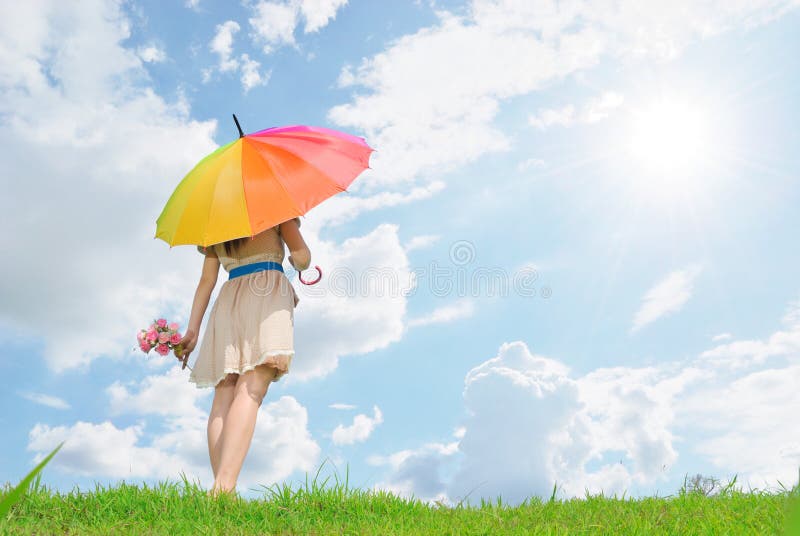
{"x": 252, "y": 319}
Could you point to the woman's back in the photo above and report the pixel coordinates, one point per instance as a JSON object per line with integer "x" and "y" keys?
{"x": 265, "y": 246}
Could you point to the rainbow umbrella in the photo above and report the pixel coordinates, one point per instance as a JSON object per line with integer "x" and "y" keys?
{"x": 260, "y": 180}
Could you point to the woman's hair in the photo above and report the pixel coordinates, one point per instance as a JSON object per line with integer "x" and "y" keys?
{"x": 233, "y": 244}
{"x": 236, "y": 242}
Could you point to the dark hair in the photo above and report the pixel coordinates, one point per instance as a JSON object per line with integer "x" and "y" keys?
{"x": 236, "y": 242}
{"x": 233, "y": 244}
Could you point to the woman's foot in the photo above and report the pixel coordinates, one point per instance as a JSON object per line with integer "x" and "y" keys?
{"x": 216, "y": 490}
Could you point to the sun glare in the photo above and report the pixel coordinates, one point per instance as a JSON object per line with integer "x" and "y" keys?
{"x": 669, "y": 135}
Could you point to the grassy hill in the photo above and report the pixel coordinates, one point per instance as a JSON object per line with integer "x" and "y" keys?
{"x": 185, "y": 508}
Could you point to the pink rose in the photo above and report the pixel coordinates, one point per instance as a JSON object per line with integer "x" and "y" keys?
{"x": 162, "y": 322}
{"x": 152, "y": 335}
{"x": 145, "y": 346}
{"x": 163, "y": 337}
{"x": 176, "y": 338}
{"x": 162, "y": 349}
{"x": 173, "y": 326}
{"x": 140, "y": 335}
{"x": 153, "y": 326}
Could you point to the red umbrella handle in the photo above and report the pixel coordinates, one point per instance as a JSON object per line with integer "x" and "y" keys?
{"x": 300, "y": 277}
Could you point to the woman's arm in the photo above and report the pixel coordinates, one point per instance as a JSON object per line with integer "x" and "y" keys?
{"x": 208, "y": 280}
{"x": 300, "y": 255}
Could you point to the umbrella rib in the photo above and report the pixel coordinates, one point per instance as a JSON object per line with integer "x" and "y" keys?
{"x": 308, "y": 139}
{"x": 320, "y": 171}
{"x": 210, "y": 208}
{"x": 315, "y": 133}
{"x": 274, "y": 174}
{"x": 194, "y": 187}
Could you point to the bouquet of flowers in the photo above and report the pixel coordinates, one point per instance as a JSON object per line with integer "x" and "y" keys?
{"x": 161, "y": 336}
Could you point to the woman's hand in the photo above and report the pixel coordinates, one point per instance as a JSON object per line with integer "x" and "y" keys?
{"x": 300, "y": 255}
{"x": 187, "y": 344}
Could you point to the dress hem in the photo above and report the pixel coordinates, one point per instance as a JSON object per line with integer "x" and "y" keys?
{"x": 227, "y": 370}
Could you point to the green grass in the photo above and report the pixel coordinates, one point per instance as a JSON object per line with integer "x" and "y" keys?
{"x": 184, "y": 508}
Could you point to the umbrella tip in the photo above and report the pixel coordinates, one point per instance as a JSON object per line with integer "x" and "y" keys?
{"x": 241, "y": 134}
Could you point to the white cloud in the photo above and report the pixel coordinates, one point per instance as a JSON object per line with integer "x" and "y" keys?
{"x": 318, "y": 13}
{"x": 600, "y": 107}
{"x": 222, "y": 46}
{"x": 250, "y": 76}
{"x": 667, "y": 296}
{"x": 281, "y": 444}
{"x": 530, "y": 163}
{"x": 424, "y": 83}
{"x": 416, "y": 471}
{"x": 340, "y": 405}
{"x": 448, "y": 80}
{"x": 629, "y": 410}
{"x": 421, "y": 241}
{"x": 347, "y": 77}
{"x": 152, "y": 54}
{"x": 633, "y": 29}
{"x": 448, "y": 313}
{"x": 721, "y": 337}
{"x": 274, "y": 23}
{"x": 516, "y": 402}
{"x": 531, "y": 423}
{"x": 747, "y": 425}
{"x": 83, "y": 145}
{"x": 45, "y": 400}
{"x": 346, "y": 207}
{"x": 564, "y": 116}
{"x": 594, "y": 110}
{"x": 285, "y": 444}
{"x": 748, "y": 353}
{"x": 358, "y": 432}
{"x": 358, "y": 306}
{"x": 742, "y": 420}
{"x": 167, "y": 394}
{"x": 102, "y": 449}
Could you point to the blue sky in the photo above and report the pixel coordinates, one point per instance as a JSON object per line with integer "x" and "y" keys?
{"x": 640, "y": 162}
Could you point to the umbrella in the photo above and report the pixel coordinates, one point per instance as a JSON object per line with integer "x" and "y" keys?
{"x": 260, "y": 180}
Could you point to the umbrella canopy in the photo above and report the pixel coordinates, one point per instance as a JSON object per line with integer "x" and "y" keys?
{"x": 260, "y": 180}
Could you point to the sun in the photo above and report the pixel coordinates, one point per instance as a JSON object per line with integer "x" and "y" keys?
{"x": 671, "y": 151}
{"x": 669, "y": 135}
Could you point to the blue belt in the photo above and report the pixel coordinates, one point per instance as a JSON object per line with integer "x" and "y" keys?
{"x": 254, "y": 267}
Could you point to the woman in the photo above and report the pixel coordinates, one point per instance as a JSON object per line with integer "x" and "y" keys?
{"x": 249, "y": 339}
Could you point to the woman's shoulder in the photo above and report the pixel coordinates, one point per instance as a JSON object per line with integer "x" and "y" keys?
{"x": 278, "y": 227}
{"x": 208, "y": 251}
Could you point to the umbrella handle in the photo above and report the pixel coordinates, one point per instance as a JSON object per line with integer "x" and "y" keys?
{"x": 300, "y": 277}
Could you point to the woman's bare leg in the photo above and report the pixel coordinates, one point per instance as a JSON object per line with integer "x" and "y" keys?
{"x": 250, "y": 389}
{"x": 223, "y": 397}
